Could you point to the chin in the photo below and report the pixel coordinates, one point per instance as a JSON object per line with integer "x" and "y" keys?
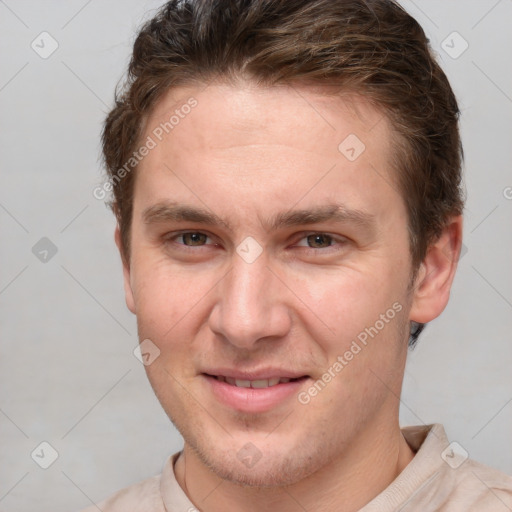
{"x": 272, "y": 467}
{"x": 272, "y": 473}
{"x": 255, "y": 459}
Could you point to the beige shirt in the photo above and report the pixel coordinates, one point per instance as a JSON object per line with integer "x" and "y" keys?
{"x": 439, "y": 478}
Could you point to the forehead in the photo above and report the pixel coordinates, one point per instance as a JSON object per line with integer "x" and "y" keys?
{"x": 266, "y": 145}
{"x": 225, "y": 113}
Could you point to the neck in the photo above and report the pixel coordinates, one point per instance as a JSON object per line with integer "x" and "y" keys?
{"x": 349, "y": 482}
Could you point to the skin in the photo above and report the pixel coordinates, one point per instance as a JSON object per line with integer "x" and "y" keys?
{"x": 246, "y": 153}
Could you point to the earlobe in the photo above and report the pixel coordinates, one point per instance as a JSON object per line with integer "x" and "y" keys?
{"x": 128, "y": 292}
{"x": 436, "y": 273}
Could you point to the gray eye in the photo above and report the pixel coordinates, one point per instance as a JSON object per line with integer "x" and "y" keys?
{"x": 194, "y": 238}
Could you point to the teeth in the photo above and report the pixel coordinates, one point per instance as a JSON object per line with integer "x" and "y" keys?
{"x": 256, "y": 384}
{"x": 263, "y": 383}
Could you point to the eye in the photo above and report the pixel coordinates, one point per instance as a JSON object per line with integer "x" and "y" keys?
{"x": 193, "y": 238}
{"x": 189, "y": 239}
{"x": 190, "y": 246}
{"x": 317, "y": 241}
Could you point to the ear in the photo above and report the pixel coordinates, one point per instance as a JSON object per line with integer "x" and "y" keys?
{"x": 435, "y": 275}
{"x": 128, "y": 292}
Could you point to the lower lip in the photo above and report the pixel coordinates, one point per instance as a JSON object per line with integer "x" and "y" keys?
{"x": 253, "y": 400}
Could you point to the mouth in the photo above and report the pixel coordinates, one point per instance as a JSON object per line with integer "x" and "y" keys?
{"x": 255, "y": 384}
{"x": 258, "y": 394}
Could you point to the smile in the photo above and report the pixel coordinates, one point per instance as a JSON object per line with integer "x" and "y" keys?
{"x": 253, "y": 395}
{"x": 257, "y": 384}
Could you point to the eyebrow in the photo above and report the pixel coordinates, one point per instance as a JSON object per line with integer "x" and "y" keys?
{"x": 177, "y": 212}
{"x": 325, "y": 213}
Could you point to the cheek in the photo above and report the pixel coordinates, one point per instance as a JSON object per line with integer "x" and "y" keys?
{"x": 162, "y": 298}
{"x": 344, "y": 302}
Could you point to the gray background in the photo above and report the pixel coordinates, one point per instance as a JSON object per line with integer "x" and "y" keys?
{"x": 67, "y": 372}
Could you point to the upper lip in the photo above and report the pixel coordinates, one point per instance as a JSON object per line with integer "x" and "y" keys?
{"x": 261, "y": 374}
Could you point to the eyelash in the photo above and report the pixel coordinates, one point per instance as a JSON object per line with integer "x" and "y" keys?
{"x": 171, "y": 238}
{"x": 338, "y": 240}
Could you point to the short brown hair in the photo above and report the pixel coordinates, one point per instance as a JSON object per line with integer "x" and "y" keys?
{"x": 371, "y": 47}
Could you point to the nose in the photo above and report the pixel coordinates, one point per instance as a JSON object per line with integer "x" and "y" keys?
{"x": 251, "y": 305}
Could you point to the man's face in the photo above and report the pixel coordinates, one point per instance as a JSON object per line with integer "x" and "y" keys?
{"x": 324, "y": 274}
